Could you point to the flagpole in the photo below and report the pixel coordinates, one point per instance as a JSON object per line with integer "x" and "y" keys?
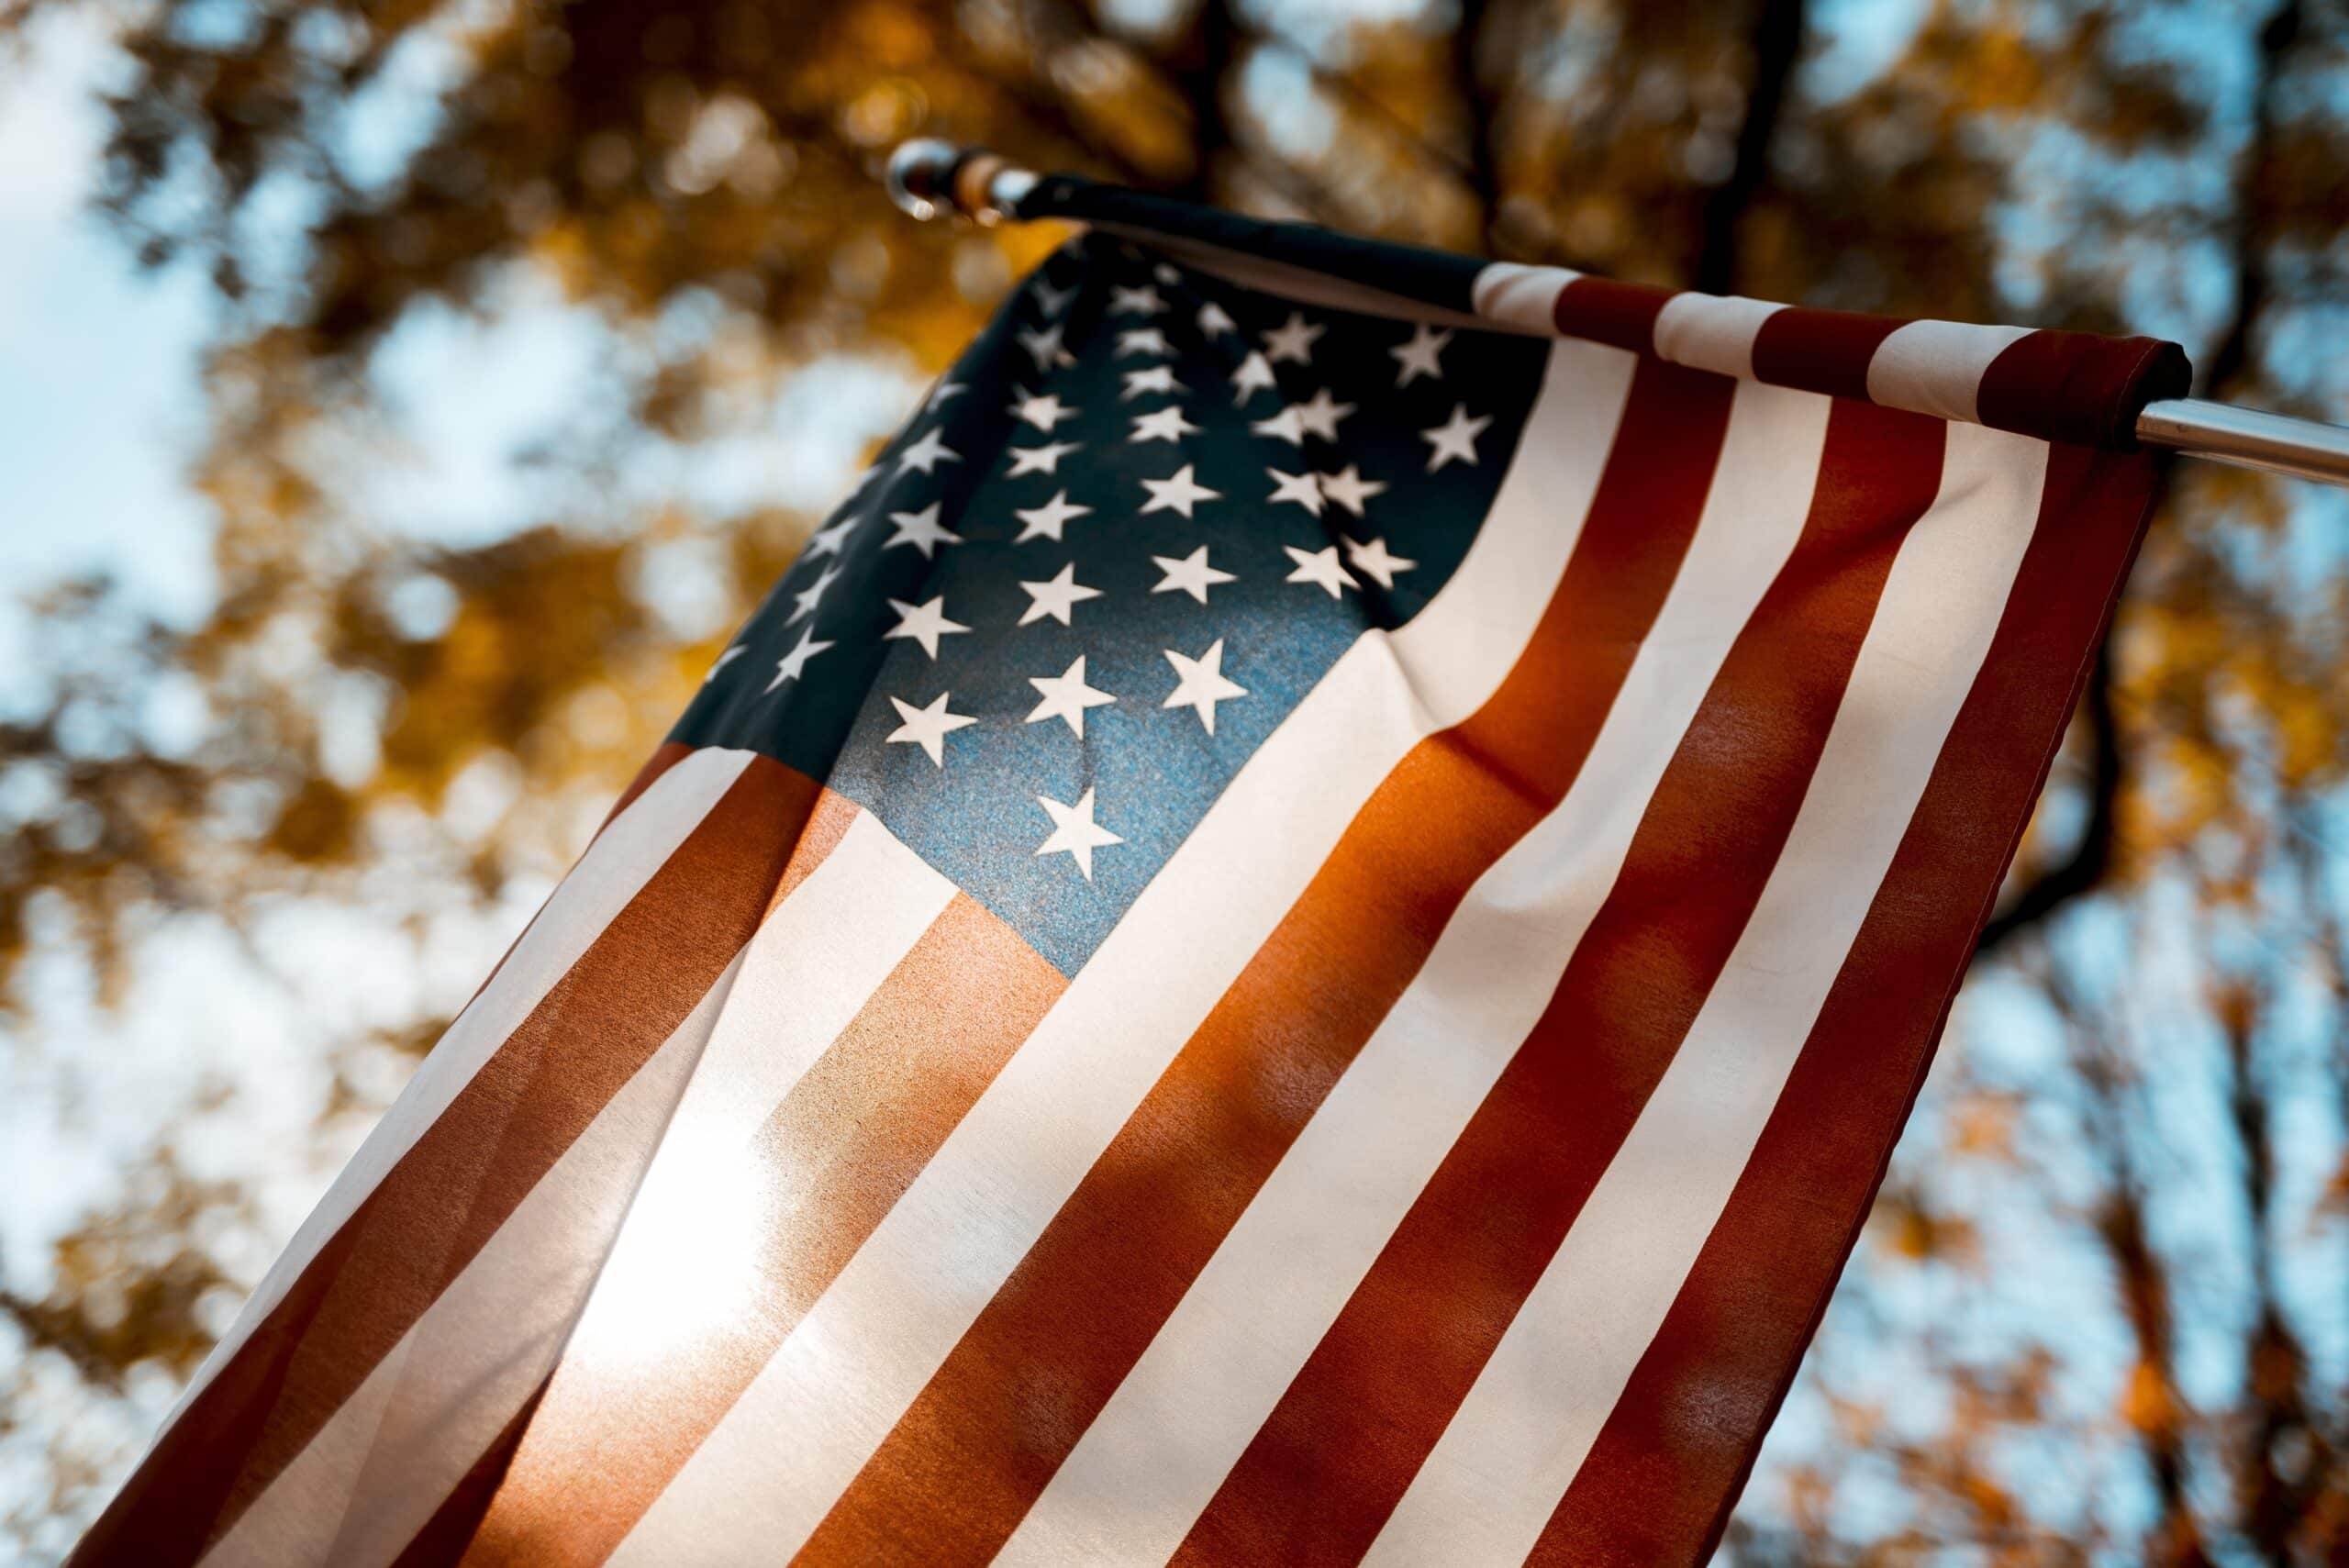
{"x": 928, "y": 178}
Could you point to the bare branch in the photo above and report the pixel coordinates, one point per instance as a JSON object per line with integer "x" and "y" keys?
{"x": 1778, "y": 45}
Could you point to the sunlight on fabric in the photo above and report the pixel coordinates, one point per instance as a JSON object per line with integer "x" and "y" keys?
{"x": 687, "y": 1262}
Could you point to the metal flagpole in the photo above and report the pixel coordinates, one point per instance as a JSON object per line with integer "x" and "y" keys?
{"x": 928, "y": 178}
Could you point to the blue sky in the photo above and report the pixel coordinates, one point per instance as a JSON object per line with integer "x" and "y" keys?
{"x": 99, "y": 409}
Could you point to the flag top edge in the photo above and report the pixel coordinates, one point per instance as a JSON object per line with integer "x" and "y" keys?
{"x": 2081, "y": 388}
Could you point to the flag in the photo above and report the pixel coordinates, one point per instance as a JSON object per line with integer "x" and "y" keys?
{"x": 1299, "y": 937}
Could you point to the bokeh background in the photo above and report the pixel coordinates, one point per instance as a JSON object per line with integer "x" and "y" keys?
{"x": 400, "y": 400}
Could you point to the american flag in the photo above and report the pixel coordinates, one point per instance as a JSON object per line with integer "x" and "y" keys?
{"x": 1299, "y": 936}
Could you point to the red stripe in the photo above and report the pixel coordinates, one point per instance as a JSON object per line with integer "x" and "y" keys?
{"x": 1608, "y": 312}
{"x": 954, "y": 1478}
{"x": 466, "y": 1172}
{"x": 2077, "y": 387}
{"x": 1821, "y": 351}
{"x": 1659, "y": 1482}
{"x": 1328, "y": 1466}
{"x": 836, "y": 1155}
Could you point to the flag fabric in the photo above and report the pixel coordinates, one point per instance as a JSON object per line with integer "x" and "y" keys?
{"x": 1299, "y": 937}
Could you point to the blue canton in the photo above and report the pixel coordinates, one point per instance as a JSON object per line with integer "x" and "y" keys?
{"x": 1121, "y": 541}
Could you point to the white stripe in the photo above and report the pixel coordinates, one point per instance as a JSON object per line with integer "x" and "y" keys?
{"x": 1935, "y": 367}
{"x": 1512, "y": 1448}
{"x": 770, "y": 1471}
{"x": 1140, "y": 1476}
{"x": 1521, "y": 298}
{"x": 685, "y": 1256}
{"x": 1711, "y": 332}
{"x": 623, "y": 857}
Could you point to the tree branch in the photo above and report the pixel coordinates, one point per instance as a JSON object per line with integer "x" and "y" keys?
{"x": 1479, "y": 170}
{"x": 2230, "y": 360}
{"x": 2092, "y": 857}
{"x": 1202, "y": 74}
{"x": 1778, "y": 45}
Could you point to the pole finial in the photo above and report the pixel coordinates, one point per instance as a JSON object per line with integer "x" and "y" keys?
{"x": 928, "y": 176}
{"x": 918, "y": 173}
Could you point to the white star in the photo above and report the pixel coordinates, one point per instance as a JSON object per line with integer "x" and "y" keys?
{"x": 1254, "y": 375}
{"x": 1142, "y": 301}
{"x": 1292, "y": 341}
{"x": 1067, "y": 696}
{"x": 1057, "y": 597}
{"x": 1417, "y": 357}
{"x": 923, "y": 623}
{"x": 1166, "y": 274}
{"x": 925, "y": 453}
{"x": 808, "y": 598}
{"x": 1156, "y": 378}
{"x": 1200, "y": 683}
{"x": 921, "y": 530}
{"x": 1045, "y": 346}
{"x": 1047, "y": 520}
{"x": 1042, "y": 411}
{"x": 1191, "y": 575}
{"x": 792, "y": 665}
{"x": 1375, "y": 559}
{"x": 1052, "y": 301}
{"x": 1179, "y": 493}
{"x": 1302, "y": 488}
{"x": 1142, "y": 340}
{"x": 1321, "y": 568}
{"x": 1321, "y": 413}
{"x": 827, "y": 541}
{"x": 1039, "y": 459}
{"x": 1214, "y": 321}
{"x": 724, "y": 660}
{"x": 943, "y": 392}
{"x": 927, "y": 728}
{"x": 1165, "y": 424}
{"x": 1349, "y": 489}
{"x": 1456, "y": 438}
{"x": 1288, "y": 425}
{"x": 1075, "y": 831}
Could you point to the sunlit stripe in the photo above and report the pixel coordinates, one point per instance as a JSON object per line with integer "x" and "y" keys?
{"x": 464, "y": 1174}
{"x": 378, "y": 1467}
{"x": 620, "y": 1418}
{"x": 797, "y": 1437}
{"x": 486, "y": 1345}
{"x": 625, "y": 854}
{"x": 1167, "y": 1438}
{"x": 1509, "y": 1451}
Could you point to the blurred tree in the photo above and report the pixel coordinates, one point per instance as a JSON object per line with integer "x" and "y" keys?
{"x": 2101, "y": 1312}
